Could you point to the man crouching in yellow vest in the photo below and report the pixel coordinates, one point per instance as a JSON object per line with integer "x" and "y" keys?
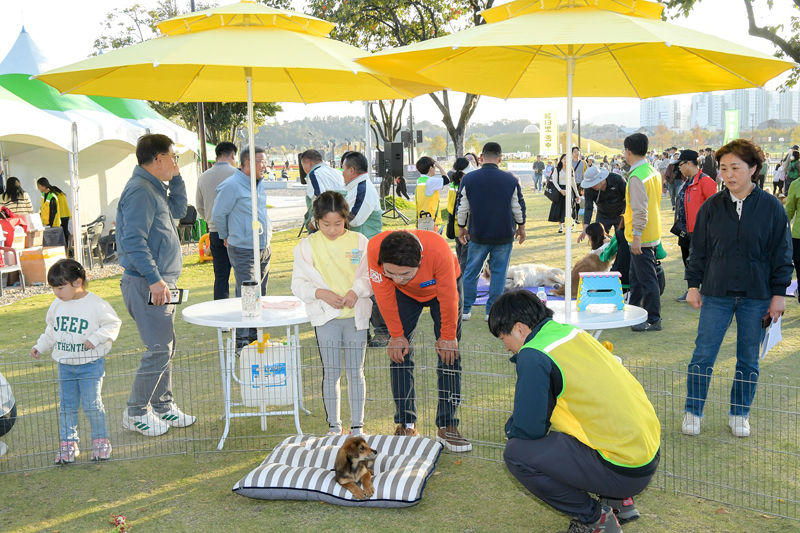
{"x": 581, "y": 422}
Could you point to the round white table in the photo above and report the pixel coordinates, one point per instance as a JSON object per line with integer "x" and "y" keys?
{"x": 227, "y": 315}
{"x": 598, "y": 317}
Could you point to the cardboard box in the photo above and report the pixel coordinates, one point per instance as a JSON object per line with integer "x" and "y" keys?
{"x": 34, "y": 238}
{"x": 19, "y": 241}
{"x": 37, "y": 261}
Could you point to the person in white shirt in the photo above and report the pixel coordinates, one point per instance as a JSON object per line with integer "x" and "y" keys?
{"x": 8, "y": 412}
{"x": 80, "y": 329}
{"x": 320, "y": 178}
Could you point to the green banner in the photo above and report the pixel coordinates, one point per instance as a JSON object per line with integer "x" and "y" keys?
{"x": 731, "y": 125}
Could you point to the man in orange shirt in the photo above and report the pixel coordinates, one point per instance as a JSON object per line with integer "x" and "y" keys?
{"x": 410, "y": 270}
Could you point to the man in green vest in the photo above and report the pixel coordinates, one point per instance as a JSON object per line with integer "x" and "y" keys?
{"x": 643, "y": 230}
{"x": 568, "y": 436}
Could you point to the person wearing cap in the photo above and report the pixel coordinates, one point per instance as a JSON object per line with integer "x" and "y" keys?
{"x": 699, "y": 187}
{"x": 606, "y": 190}
{"x": 460, "y": 168}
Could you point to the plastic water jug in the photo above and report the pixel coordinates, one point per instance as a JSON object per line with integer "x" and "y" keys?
{"x": 266, "y": 374}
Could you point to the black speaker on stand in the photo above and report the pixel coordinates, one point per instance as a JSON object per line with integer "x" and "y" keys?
{"x": 393, "y": 168}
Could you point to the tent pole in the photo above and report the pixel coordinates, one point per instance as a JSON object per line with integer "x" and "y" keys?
{"x": 570, "y": 177}
{"x": 74, "y": 184}
{"x": 257, "y": 229}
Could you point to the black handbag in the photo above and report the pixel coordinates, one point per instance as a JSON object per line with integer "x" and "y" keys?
{"x": 551, "y": 192}
{"x": 679, "y": 229}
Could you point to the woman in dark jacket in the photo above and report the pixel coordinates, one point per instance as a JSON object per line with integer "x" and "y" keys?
{"x": 740, "y": 264}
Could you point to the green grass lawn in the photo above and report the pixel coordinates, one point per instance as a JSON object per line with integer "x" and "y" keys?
{"x": 190, "y": 491}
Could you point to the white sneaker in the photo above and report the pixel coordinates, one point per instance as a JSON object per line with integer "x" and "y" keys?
{"x": 740, "y": 426}
{"x": 691, "y": 424}
{"x": 486, "y": 318}
{"x": 466, "y": 316}
{"x": 3, "y": 448}
{"x": 147, "y": 424}
{"x": 176, "y": 418}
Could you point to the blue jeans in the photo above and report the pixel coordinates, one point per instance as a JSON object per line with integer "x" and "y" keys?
{"x": 81, "y": 384}
{"x": 537, "y": 182}
{"x": 715, "y": 319}
{"x": 499, "y": 258}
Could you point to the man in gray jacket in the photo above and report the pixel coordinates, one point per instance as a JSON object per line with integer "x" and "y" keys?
{"x": 150, "y": 252}
{"x": 207, "y": 185}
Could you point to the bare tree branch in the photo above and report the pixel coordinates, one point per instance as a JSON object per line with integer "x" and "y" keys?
{"x": 771, "y": 36}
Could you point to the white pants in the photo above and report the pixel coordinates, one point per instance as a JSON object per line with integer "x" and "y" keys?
{"x": 337, "y": 337}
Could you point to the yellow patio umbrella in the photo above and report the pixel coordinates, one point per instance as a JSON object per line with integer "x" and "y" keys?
{"x": 550, "y": 48}
{"x": 244, "y": 52}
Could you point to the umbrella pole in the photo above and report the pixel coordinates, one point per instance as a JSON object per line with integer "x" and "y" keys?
{"x": 367, "y": 141}
{"x": 74, "y": 184}
{"x": 248, "y": 72}
{"x": 570, "y": 177}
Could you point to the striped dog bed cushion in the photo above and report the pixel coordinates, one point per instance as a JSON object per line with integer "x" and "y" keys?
{"x": 301, "y": 468}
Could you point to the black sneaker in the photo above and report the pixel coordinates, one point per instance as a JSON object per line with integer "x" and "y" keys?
{"x": 647, "y": 326}
{"x": 378, "y": 341}
{"x": 607, "y": 523}
{"x": 624, "y": 509}
{"x": 682, "y": 299}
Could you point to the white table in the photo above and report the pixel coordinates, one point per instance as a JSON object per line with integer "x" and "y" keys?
{"x": 598, "y": 317}
{"x": 227, "y": 314}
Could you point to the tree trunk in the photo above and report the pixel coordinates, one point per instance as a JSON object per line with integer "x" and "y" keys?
{"x": 457, "y": 131}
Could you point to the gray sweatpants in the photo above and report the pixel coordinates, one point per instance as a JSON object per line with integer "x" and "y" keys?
{"x": 242, "y": 262}
{"x": 152, "y": 384}
{"x": 562, "y": 471}
{"x": 337, "y": 337}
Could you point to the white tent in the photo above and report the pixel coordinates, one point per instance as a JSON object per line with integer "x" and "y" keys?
{"x": 43, "y": 133}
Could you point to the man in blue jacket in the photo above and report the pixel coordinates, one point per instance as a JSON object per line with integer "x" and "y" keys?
{"x": 233, "y": 217}
{"x": 150, "y": 252}
{"x": 492, "y": 200}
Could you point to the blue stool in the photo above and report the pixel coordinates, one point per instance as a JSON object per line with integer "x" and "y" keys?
{"x": 600, "y": 288}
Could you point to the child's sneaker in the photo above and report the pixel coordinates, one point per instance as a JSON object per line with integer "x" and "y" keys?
{"x": 147, "y": 424}
{"x": 357, "y": 432}
{"x": 624, "y": 509}
{"x": 176, "y": 418}
{"x": 67, "y": 452}
{"x": 101, "y": 450}
{"x": 3, "y": 448}
{"x": 334, "y": 432}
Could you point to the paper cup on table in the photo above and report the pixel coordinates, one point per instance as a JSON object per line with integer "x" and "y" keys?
{"x": 251, "y": 304}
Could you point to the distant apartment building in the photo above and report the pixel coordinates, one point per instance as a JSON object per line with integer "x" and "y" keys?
{"x": 655, "y": 111}
{"x": 708, "y": 109}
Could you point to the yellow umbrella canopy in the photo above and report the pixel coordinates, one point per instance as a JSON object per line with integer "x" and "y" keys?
{"x": 204, "y": 57}
{"x": 244, "y": 52}
{"x": 245, "y": 13}
{"x": 619, "y": 48}
{"x": 551, "y": 48}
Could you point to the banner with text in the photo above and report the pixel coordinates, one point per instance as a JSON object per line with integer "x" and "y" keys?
{"x": 548, "y": 134}
{"x": 731, "y": 125}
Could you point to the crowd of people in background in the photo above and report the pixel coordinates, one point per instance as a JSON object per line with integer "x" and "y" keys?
{"x": 736, "y": 245}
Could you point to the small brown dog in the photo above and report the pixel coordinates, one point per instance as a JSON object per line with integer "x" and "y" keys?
{"x": 354, "y": 463}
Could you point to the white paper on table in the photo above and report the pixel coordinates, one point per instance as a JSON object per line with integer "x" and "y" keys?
{"x": 772, "y": 337}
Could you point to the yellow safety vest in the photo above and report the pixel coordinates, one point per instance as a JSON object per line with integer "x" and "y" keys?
{"x": 63, "y": 206}
{"x": 427, "y": 203}
{"x": 45, "y": 213}
{"x": 601, "y": 403}
{"x": 651, "y": 178}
